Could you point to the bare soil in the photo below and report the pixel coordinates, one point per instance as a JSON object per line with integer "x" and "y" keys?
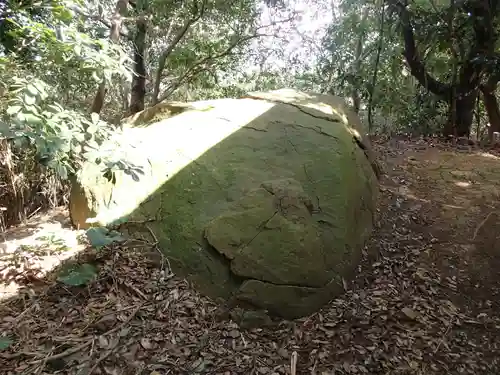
{"x": 425, "y": 299}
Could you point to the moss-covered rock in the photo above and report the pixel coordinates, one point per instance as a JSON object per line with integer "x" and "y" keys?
{"x": 266, "y": 200}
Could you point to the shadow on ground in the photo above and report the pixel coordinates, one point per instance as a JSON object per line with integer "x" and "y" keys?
{"x": 30, "y": 250}
{"x": 425, "y": 299}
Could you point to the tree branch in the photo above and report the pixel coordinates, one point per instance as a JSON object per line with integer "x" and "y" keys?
{"x": 204, "y": 64}
{"x": 114, "y": 35}
{"x": 416, "y": 65}
{"x": 194, "y": 69}
{"x": 98, "y": 18}
{"x": 197, "y": 13}
{"x": 483, "y": 14}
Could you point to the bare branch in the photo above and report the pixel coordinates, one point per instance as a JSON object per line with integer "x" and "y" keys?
{"x": 274, "y": 23}
{"x": 205, "y": 63}
{"x": 114, "y": 35}
{"x": 98, "y": 18}
{"x": 197, "y": 13}
{"x": 414, "y": 61}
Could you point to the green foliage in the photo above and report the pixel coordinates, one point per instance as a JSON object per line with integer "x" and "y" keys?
{"x": 63, "y": 139}
{"x": 77, "y": 275}
{"x": 36, "y": 110}
{"x": 5, "y": 342}
{"x": 425, "y": 115}
{"x": 101, "y": 236}
{"x": 215, "y": 44}
{"x": 57, "y": 135}
{"x": 350, "y": 48}
{"x": 82, "y": 274}
{"x": 55, "y": 53}
{"x": 349, "y": 53}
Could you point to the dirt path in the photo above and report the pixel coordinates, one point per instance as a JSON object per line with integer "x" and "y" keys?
{"x": 425, "y": 300}
{"x": 439, "y": 235}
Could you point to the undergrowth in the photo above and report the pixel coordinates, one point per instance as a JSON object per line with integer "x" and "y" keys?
{"x": 26, "y": 187}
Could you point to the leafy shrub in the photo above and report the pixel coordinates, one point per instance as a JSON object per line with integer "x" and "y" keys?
{"x": 62, "y": 139}
{"x": 44, "y": 134}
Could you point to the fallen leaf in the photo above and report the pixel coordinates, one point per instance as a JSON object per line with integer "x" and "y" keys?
{"x": 410, "y": 313}
{"x": 234, "y": 334}
{"x": 353, "y": 334}
{"x": 5, "y": 342}
{"x": 283, "y": 352}
{"x": 146, "y": 344}
{"x": 103, "y": 342}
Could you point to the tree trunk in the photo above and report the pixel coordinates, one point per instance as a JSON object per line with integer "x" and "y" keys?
{"x": 380, "y": 46}
{"x": 162, "y": 61}
{"x": 138, "y": 89}
{"x": 491, "y": 105}
{"x": 460, "y": 122}
{"x": 493, "y": 112}
{"x": 479, "y": 133}
{"x": 356, "y": 97}
{"x": 98, "y": 102}
{"x": 125, "y": 96}
{"x": 116, "y": 24}
{"x": 463, "y": 91}
{"x": 197, "y": 11}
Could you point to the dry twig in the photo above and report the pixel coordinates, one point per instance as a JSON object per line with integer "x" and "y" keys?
{"x": 293, "y": 363}
{"x": 66, "y": 353}
{"x": 481, "y": 224}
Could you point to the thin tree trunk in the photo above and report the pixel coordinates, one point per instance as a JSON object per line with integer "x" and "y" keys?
{"x": 116, "y": 24}
{"x": 375, "y": 69}
{"x": 162, "y": 61}
{"x": 138, "y": 88}
{"x": 125, "y": 96}
{"x": 491, "y": 106}
{"x": 356, "y": 97}
{"x": 454, "y": 77}
{"x": 197, "y": 11}
{"x": 478, "y": 120}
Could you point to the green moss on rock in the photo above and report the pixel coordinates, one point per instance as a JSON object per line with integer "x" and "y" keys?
{"x": 267, "y": 199}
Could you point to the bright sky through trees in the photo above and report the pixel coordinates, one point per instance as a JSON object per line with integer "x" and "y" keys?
{"x": 300, "y": 38}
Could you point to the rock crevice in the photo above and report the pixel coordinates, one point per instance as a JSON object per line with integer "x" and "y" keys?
{"x": 235, "y": 192}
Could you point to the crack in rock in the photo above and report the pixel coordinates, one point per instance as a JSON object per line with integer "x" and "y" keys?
{"x": 357, "y": 138}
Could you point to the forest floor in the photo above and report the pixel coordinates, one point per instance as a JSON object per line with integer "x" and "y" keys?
{"x": 425, "y": 300}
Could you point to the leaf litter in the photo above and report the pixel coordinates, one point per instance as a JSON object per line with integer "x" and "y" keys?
{"x": 424, "y": 300}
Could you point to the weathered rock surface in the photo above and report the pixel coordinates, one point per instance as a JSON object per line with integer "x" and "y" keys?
{"x": 266, "y": 200}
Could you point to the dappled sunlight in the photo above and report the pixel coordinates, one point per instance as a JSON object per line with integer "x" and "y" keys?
{"x": 341, "y": 116}
{"x": 407, "y": 193}
{"x": 451, "y": 206}
{"x": 488, "y": 155}
{"x": 333, "y": 106}
{"x": 168, "y": 146}
{"x": 214, "y": 177}
{"x": 463, "y": 184}
{"x": 454, "y": 178}
{"x": 217, "y": 175}
{"x": 354, "y": 132}
{"x": 285, "y": 95}
{"x": 30, "y": 251}
{"x": 430, "y": 247}
{"x": 216, "y": 221}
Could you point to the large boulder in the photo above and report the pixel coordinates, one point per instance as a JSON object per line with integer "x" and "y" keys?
{"x": 266, "y": 200}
